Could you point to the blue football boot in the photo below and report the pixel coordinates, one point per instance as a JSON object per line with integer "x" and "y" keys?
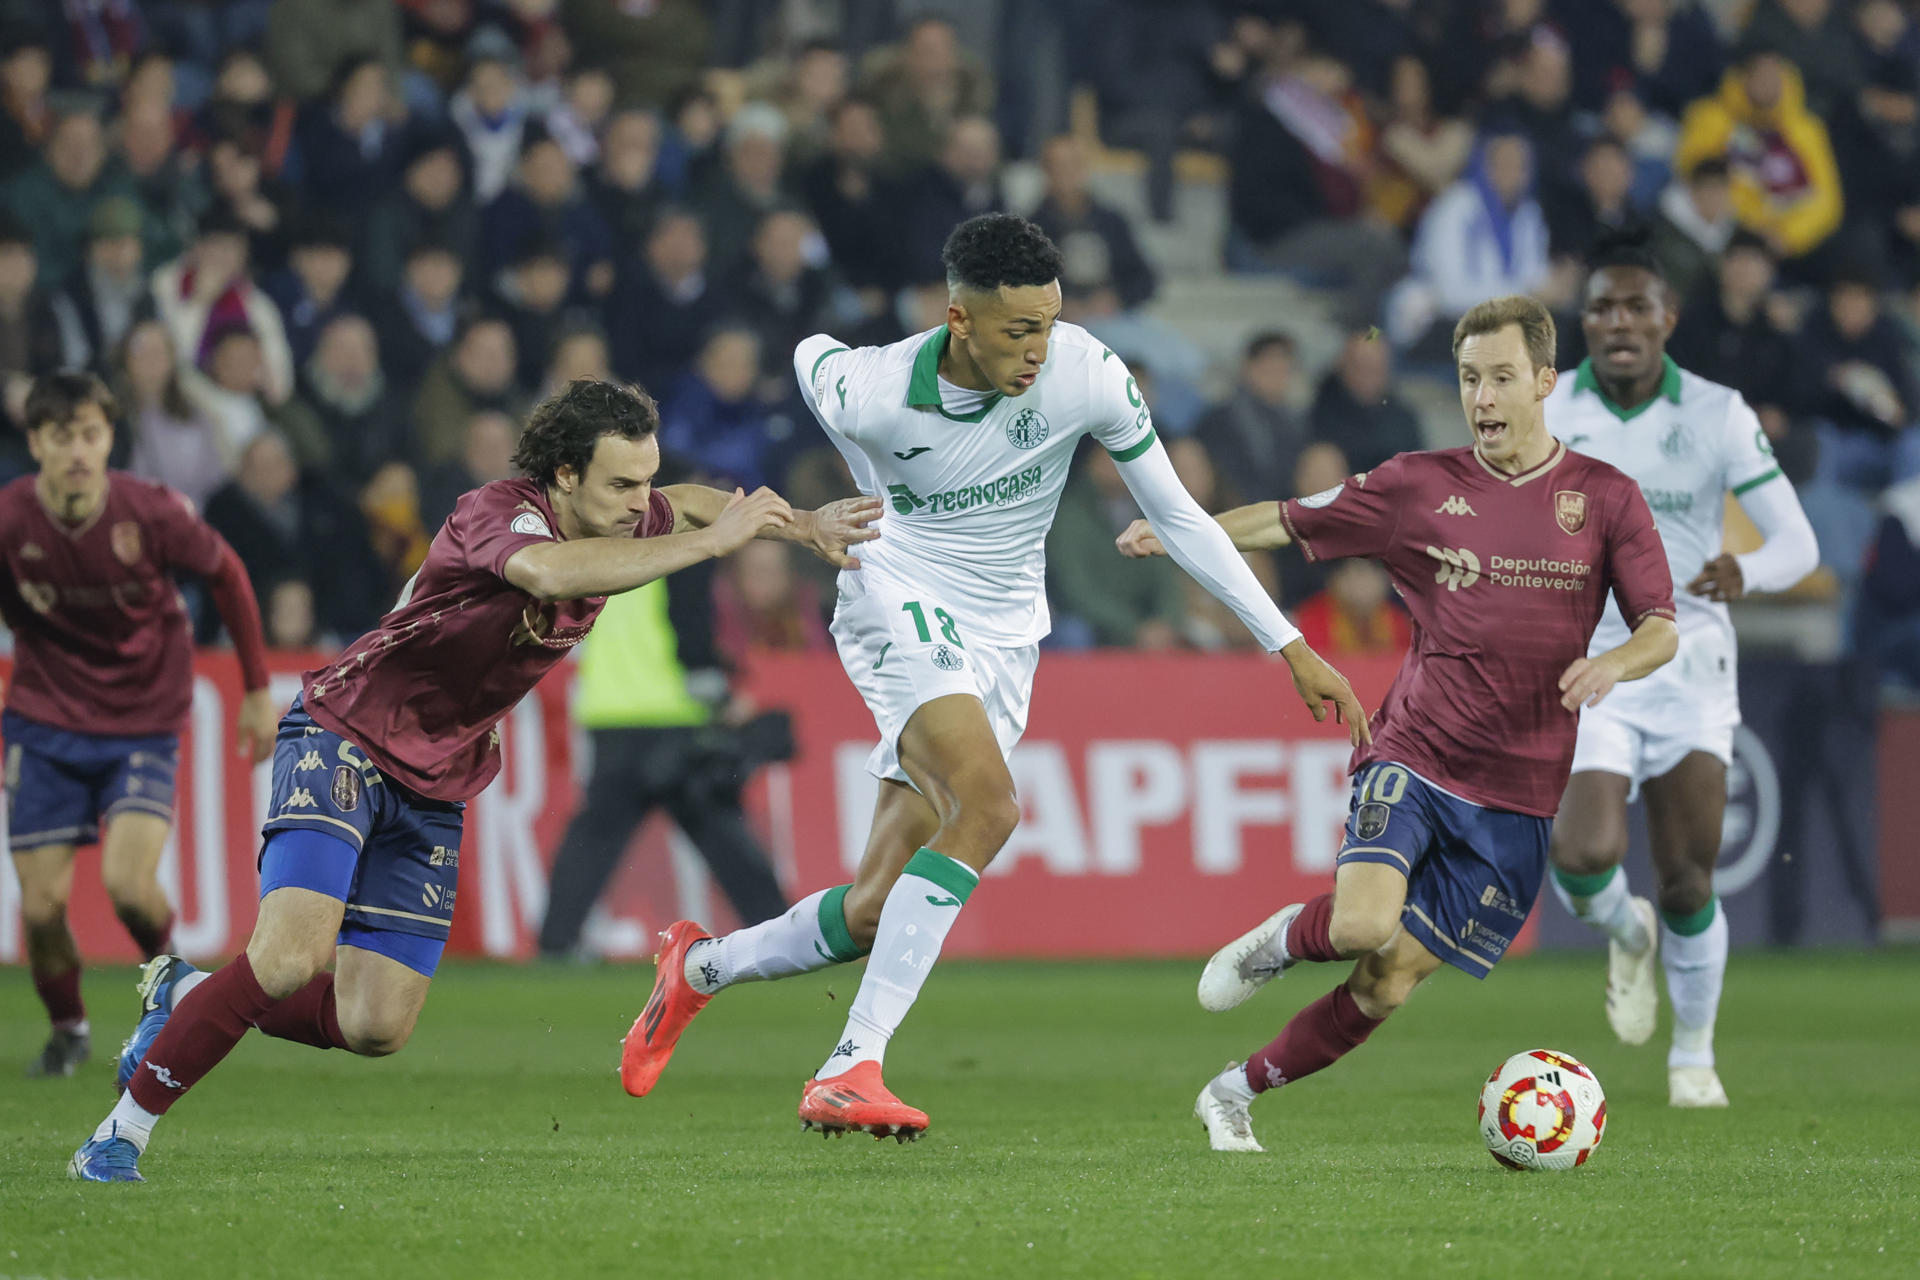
{"x": 159, "y": 978}
{"x": 112, "y": 1159}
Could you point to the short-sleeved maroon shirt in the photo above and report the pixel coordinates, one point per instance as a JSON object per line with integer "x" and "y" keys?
{"x": 1506, "y": 578}
{"x": 422, "y": 693}
{"x": 101, "y": 642}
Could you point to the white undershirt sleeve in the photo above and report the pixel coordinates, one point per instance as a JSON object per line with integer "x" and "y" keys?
{"x": 1198, "y": 544}
{"x": 1788, "y": 551}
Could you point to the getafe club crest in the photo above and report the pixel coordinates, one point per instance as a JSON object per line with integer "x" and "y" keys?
{"x": 1028, "y": 430}
{"x": 125, "y": 540}
{"x": 1570, "y": 509}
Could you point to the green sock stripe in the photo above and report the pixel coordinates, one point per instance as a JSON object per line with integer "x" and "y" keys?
{"x": 1689, "y": 926}
{"x": 1585, "y": 886}
{"x": 956, "y": 879}
{"x": 833, "y": 925}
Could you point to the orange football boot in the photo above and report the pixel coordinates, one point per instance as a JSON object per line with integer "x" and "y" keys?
{"x": 859, "y": 1099}
{"x": 648, "y": 1048}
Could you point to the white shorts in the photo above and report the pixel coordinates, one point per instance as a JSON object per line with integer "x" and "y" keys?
{"x": 902, "y": 648}
{"x": 1646, "y": 727}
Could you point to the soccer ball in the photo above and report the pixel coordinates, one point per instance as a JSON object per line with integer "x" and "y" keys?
{"x": 1542, "y": 1110}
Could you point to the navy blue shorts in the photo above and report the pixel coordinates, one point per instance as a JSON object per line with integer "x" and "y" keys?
{"x": 1472, "y": 872}
{"x": 407, "y": 871}
{"x": 62, "y": 785}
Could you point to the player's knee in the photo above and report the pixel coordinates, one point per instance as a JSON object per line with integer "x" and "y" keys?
{"x": 128, "y": 888}
{"x": 1359, "y": 932}
{"x": 371, "y": 1034}
{"x": 987, "y": 813}
{"x": 1686, "y": 891}
{"x": 1379, "y": 993}
{"x": 42, "y": 908}
{"x": 1583, "y": 853}
{"x": 284, "y": 968}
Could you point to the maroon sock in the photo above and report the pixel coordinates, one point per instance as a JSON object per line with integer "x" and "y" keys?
{"x": 204, "y": 1027}
{"x": 308, "y": 1016}
{"x": 60, "y": 992}
{"x": 1310, "y": 936}
{"x": 154, "y": 938}
{"x": 1318, "y": 1036}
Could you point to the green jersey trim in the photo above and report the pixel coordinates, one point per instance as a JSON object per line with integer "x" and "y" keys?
{"x": 815, "y": 371}
{"x": 923, "y": 387}
{"x": 1756, "y": 482}
{"x": 1134, "y": 450}
{"x": 1584, "y": 380}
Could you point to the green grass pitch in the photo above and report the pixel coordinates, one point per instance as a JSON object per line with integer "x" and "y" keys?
{"x": 499, "y": 1141}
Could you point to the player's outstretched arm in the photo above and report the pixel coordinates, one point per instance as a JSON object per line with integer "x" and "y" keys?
{"x": 583, "y": 567}
{"x": 1589, "y": 680}
{"x": 1253, "y": 528}
{"x": 258, "y": 720}
{"x": 827, "y": 532}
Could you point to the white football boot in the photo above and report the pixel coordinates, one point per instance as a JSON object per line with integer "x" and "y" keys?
{"x": 1695, "y": 1087}
{"x": 1246, "y": 964}
{"x": 1633, "y": 995}
{"x": 1228, "y": 1123}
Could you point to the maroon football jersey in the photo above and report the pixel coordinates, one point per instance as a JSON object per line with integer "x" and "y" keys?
{"x": 422, "y": 693}
{"x": 101, "y": 639}
{"x": 1506, "y": 578}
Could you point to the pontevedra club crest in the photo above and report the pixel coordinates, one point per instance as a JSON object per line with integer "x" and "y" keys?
{"x": 1570, "y": 509}
{"x": 125, "y": 541}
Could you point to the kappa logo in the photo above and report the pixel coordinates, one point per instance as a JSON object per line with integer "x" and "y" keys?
{"x": 309, "y": 762}
{"x": 40, "y": 596}
{"x": 1455, "y": 505}
{"x": 301, "y": 798}
{"x": 1275, "y": 1076}
{"x": 1459, "y": 568}
{"x": 164, "y": 1076}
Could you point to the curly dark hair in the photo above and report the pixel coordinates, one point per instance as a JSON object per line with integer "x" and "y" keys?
{"x": 997, "y": 249}
{"x": 1628, "y": 246}
{"x": 55, "y": 397}
{"x": 564, "y": 429}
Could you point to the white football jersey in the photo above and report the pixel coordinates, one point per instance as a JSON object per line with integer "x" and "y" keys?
{"x": 1686, "y": 448}
{"x": 969, "y": 496}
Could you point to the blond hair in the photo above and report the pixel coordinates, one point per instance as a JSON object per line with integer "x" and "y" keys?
{"x": 1535, "y": 321}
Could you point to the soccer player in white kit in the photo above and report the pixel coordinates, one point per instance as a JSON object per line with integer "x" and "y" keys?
{"x": 967, "y": 431}
{"x": 1687, "y": 442}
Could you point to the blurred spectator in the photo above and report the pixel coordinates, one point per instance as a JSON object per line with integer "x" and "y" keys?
{"x": 1814, "y": 36}
{"x": 1603, "y": 200}
{"x": 390, "y": 501}
{"x": 713, "y": 420}
{"x": 1729, "y": 334}
{"x": 543, "y": 44}
{"x": 491, "y": 112}
{"x": 581, "y": 352}
{"x": 288, "y": 615}
{"x": 1205, "y": 622}
{"x": 426, "y": 312}
{"x": 56, "y": 197}
{"x": 583, "y": 112}
{"x": 545, "y": 206}
{"x": 247, "y": 107}
{"x": 532, "y": 295}
{"x": 1355, "y": 407}
{"x": 344, "y": 420}
{"x": 1887, "y": 626}
{"x": 435, "y": 34}
{"x": 1694, "y": 226}
{"x": 242, "y": 192}
{"x": 1352, "y": 617}
{"x": 29, "y": 329}
{"x": 1419, "y": 151}
{"x": 110, "y": 294}
{"x": 807, "y": 88}
{"x": 663, "y": 305}
{"x": 431, "y": 205}
{"x": 760, "y": 603}
{"x": 308, "y": 40}
{"x": 1858, "y": 383}
{"x": 1665, "y": 52}
{"x": 284, "y": 523}
{"x": 654, "y": 50}
{"x": 1322, "y": 466}
{"x": 860, "y": 210}
{"x": 1538, "y": 104}
{"x": 689, "y": 149}
{"x": 1485, "y": 236}
{"x": 1255, "y": 436}
{"x": 207, "y": 290}
{"x": 311, "y": 289}
{"x": 625, "y": 188}
{"x": 1786, "y": 184}
{"x": 351, "y": 143}
{"x": 733, "y": 199}
{"x": 1115, "y": 601}
{"x": 229, "y": 392}
{"x": 1875, "y": 135}
{"x": 1148, "y": 65}
{"x": 965, "y": 182}
{"x": 1649, "y": 142}
{"x": 26, "y": 69}
{"x": 1105, "y": 271}
{"x": 923, "y": 86}
{"x": 102, "y": 37}
{"x": 166, "y": 183}
{"x": 486, "y": 455}
{"x": 476, "y": 373}
{"x": 173, "y": 442}
{"x": 783, "y": 295}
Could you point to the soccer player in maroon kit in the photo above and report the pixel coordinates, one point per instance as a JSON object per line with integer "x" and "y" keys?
{"x": 385, "y": 745}
{"x": 1505, "y": 553}
{"x": 102, "y": 681}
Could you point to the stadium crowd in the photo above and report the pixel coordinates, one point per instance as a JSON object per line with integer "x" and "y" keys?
{"x": 329, "y": 251}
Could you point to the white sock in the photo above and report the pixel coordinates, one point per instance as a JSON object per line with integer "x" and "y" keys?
{"x": 1696, "y": 968}
{"x": 78, "y": 1027}
{"x": 919, "y": 910}
{"x": 811, "y": 935}
{"x": 128, "y": 1120}
{"x": 1232, "y": 1084}
{"x": 1610, "y": 910}
{"x": 188, "y": 983}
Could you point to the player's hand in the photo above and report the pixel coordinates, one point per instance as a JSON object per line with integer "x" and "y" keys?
{"x": 747, "y": 516}
{"x": 1319, "y": 684}
{"x": 1587, "y": 681}
{"x": 839, "y": 525}
{"x": 257, "y": 726}
{"x": 1720, "y": 580}
{"x": 1139, "y": 541}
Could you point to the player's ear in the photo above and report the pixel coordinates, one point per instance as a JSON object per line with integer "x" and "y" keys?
{"x": 565, "y": 477}
{"x": 1544, "y": 380}
{"x": 959, "y": 323}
